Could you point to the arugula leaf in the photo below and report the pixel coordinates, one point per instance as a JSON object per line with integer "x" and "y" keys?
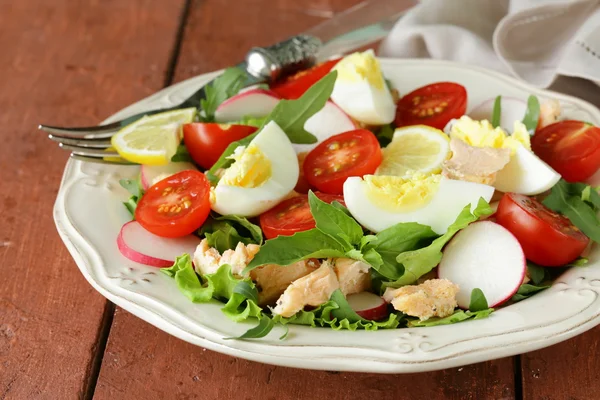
{"x": 395, "y": 240}
{"x": 335, "y": 222}
{"x": 532, "y": 114}
{"x": 187, "y": 281}
{"x": 385, "y": 134}
{"x": 567, "y": 199}
{"x": 536, "y": 273}
{"x": 223, "y": 87}
{"x": 133, "y": 186}
{"x": 497, "y": 112}
{"x": 226, "y": 231}
{"x": 182, "y": 154}
{"x": 251, "y": 121}
{"x": 458, "y": 316}
{"x": 265, "y": 325}
{"x": 286, "y": 250}
{"x": 290, "y": 115}
{"x": 478, "y": 301}
{"x": 419, "y": 262}
{"x": 526, "y": 290}
{"x": 578, "y": 262}
{"x": 344, "y": 311}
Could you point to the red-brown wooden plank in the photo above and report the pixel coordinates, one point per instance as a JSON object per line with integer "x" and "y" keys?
{"x": 61, "y": 62}
{"x": 141, "y": 359}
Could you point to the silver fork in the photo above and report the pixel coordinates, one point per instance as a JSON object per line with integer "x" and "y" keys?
{"x": 262, "y": 65}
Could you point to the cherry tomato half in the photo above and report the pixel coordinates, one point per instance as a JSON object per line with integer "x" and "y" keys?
{"x": 207, "y": 141}
{"x": 175, "y": 206}
{"x": 353, "y": 153}
{"x": 572, "y": 148}
{"x": 547, "y": 238}
{"x": 433, "y": 105}
{"x": 295, "y": 85}
{"x": 292, "y": 215}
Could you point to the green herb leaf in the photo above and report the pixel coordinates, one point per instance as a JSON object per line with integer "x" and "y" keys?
{"x": 396, "y": 240}
{"x": 526, "y": 290}
{"x": 419, "y": 262}
{"x": 497, "y": 112}
{"x": 385, "y": 134}
{"x": 223, "y": 87}
{"x": 251, "y": 121}
{"x": 335, "y": 222}
{"x": 290, "y": 115}
{"x": 344, "y": 311}
{"x": 478, "y": 301}
{"x": 131, "y": 205}
{"x": 578, "y": 262}
{"x": 286, "y": 250}
{"x": 226, "y": 231}
{"x": 265, "y": 325}
{"x": 187, "y": 281}
{"x": 532, "y": 115}
{"x": 182, "y": 155}
{"x": 133, "y": 186}
{"x": 536, "y": 273}
{"x": 458, "y": 316}
{"x": 567, "y": 199}
{"x": 223, "y": 282}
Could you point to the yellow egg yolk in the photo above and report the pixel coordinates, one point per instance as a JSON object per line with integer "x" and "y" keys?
{"x": 250, "y": 169}
{"x": 395, "y": 194}
{"x": 483, "y": 134}
{"x": 357, "y": 67}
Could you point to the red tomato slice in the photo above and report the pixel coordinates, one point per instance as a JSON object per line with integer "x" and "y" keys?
{"x": 295, "y": 85}
{"x": 433, "y": 105}
{"x": 547, "y": 238}
{"x": 354, "y": 153}
{"x": 292, "y": 215}
{"x": 175, "y": 206}
{"x": 206, "y": 141}
{"x": 572, "y": 148}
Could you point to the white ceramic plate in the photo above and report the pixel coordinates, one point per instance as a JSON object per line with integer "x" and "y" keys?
{"x": 88, "y": 214}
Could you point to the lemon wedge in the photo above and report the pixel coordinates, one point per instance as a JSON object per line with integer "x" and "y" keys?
{"x": 152, "y": 140}
{"x": 415, "y": 149}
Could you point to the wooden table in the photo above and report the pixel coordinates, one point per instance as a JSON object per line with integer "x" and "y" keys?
{"x": 76, "y": 62}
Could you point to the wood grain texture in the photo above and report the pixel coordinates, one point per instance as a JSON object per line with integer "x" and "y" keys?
{"x": 142, "y": 359}
{"x": 73, "y": 63}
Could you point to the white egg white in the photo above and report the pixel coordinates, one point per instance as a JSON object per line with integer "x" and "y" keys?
{"x": 526, "y": 174}
{"x": 249, "y": 202}
{"x": 445, "y": 205}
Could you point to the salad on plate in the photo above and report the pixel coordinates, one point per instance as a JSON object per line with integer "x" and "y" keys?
{"x": 331, "y": 200}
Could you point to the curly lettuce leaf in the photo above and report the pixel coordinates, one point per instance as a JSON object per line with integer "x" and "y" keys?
{"x": 458, "y": 316}
{"x": 226, "y": 231}
{"x": 188, "y": 281}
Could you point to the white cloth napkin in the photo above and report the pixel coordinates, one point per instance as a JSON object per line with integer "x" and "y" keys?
{"x": 535, "y": 40}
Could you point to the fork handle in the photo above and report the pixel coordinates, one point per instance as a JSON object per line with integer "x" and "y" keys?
{"x": 283, "y": 58}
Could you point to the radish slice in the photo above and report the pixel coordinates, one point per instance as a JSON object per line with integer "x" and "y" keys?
{"x": 329, "y": 121}
{"x": 150, "y": 174}
{"x": 487, "y": 256}
{"x": 511, "y": 110}
{"x": 139, "y": 245}
{"x": 256, "y": 103}
{"x": 368, "y": 305}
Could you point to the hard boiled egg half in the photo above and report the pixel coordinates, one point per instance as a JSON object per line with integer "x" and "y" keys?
{"x": 360, "y": 89}
{"x": 379, "y": 202}
{"x": 525, "y": 173}
{"x": 262, "y": 174}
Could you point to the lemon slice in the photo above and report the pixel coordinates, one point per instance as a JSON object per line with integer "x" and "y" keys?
{"x": 415, "y": 149}
{"x": 152, "y": 140}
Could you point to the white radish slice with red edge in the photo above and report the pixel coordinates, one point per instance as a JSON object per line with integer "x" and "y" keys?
{"x": 511, "y": 110}
{"x": 150, "y": 174}
{"x": 256, "y": 103}
{"x": 328, "y": 121}
{"x": 487, "y": 256}
{"x": 141, "y": 246}
{"x": 368, "y": 305}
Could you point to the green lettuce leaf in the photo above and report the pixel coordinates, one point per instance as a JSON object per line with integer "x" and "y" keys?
{"x": 134, "y": 187}
{"x": 188, "y": 281}
{"x": 419, "y": 262}
{"x": 225, "y": 232}
{"x": 526, "y": 290}
{"x": 566, "y": 198}
{"x": 478, "y": 301}
{"x": 532, "y": 114}
{"x": 251, "y": 121}
{"x": 458, "y": 316}
{"x": 182, "y": 155}
{"x": 536, "y": 273}
{"x": 497, "y": 112}
{"x": 334, "y": 222}
{"x": 223, "y": 87}
{"x": 265, "y": 325}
